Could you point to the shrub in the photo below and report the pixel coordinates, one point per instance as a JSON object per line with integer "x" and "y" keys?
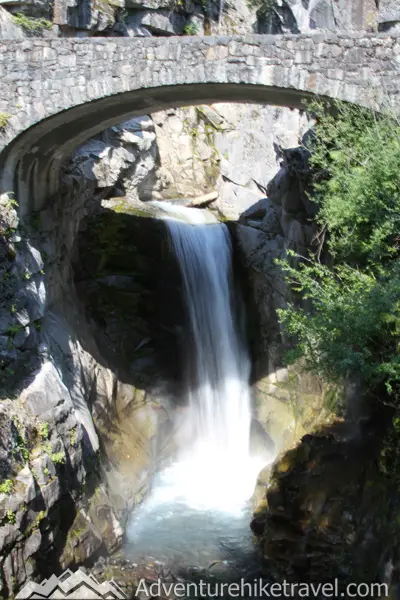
{"x": 356, "y": 156}
{"x": 191, "y": 29}
{"x": 353, "y": 326}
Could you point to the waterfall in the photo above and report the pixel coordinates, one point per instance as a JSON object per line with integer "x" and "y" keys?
{"x": 303, "y": 15}
{"x": 214, "y": 466}
{"x": 218, "y": 395}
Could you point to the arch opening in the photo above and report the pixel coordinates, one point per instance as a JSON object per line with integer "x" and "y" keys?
{"x": 54, "y": 139}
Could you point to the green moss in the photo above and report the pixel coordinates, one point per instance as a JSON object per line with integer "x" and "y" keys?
{"x": 76, "y": 533}
{"x": 37, "y": 324}
{"x": 58, "y": 458}
{"x": 10, "y": 517}
{"x": 73, "y": 437}
{"x": 4, "y": 120}
{"x": 44, "y": 431}
{"x": 6, "y": 487}
{"x": 9, "y": 202}
{"x": 21, "y": 447}
{"x": 13, "y": 329}
{"x": 35, "y": 221}
{"x": 35, "y": 525}
{"x": 191, "y": 29}
{"x": 31, "y": 24}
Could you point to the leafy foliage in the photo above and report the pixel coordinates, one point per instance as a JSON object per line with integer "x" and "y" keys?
{"x": 191, "y": 29}
{"x": 58, "y": 458}
{"x": 353, "y": 326}
{"x": 357, "y": 156}
{"x": 6, "y": 486}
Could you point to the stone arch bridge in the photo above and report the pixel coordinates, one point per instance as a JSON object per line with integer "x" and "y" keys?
{"x": 57, "y": 93}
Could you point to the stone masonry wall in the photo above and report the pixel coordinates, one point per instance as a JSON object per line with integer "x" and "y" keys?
{"x": 42, "y": 77}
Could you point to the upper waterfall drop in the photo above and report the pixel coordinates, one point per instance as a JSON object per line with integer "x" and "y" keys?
{"x": 214, "y": 468}
{"x": 218, "y": 366}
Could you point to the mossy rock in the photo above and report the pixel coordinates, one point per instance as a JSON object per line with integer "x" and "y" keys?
{"x": 292, "y": 459}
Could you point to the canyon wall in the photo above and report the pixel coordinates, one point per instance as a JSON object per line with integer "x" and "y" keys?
{"x": 200, "y": 17}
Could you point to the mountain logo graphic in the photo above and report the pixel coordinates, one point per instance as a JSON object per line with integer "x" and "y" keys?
{"x": 76, "y": 586}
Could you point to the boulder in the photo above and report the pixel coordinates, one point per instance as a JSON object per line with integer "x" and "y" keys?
{"x": 96, "y": 15}
{"x": 161, "y": 22}
{"x": 124, "y": 157}
{"x": 389, "y": 16}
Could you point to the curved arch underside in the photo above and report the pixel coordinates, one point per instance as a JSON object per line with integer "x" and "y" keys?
{"x": 68, "y": 90}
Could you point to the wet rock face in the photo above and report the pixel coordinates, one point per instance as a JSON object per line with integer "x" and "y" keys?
{"x": 328, "y": 511}
{"x": 278, "y": 222}
{"x": 288, "y": 402}
{"x": 43, "y": 462}
{"x": 22, "y": 300}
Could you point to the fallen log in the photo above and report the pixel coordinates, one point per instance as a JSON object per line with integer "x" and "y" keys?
{"x": 202, "y": 200}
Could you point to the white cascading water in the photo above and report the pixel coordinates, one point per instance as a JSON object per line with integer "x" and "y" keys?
{"x": 214, "y": 467}
{"x": 198, "y": 506}
{"x": 303, "y": 15}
